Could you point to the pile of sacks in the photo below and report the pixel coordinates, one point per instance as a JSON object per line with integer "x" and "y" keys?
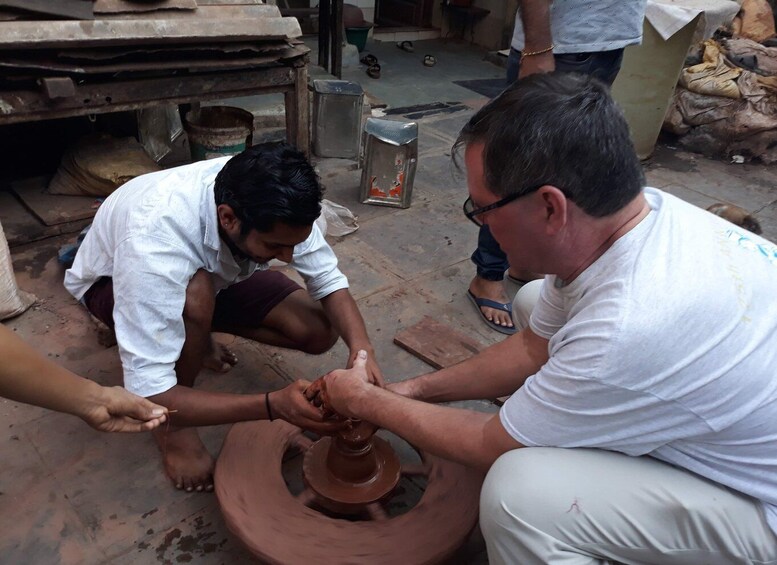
{"x": 13, "y": 300}
{"x": 726, "y": 103}
{"x": 98, "y": 164}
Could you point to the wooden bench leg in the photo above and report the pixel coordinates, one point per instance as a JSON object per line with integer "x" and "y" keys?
{"x": 298, "y": 111}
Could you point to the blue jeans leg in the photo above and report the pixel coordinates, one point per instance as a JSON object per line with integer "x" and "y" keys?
{"x": 489, "y": 259}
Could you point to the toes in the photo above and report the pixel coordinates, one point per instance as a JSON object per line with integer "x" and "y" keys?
{"x": 228, "y": 356}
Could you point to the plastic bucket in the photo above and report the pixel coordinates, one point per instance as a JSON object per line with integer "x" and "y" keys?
{"x": 217, "y": 131}
{"x": 358, "y": 36}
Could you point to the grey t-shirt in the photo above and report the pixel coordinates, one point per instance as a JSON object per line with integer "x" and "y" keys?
{"x": 665, "y": 346}
{"x": 583, "y": 26}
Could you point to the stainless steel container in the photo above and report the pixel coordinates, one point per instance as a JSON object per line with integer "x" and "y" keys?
{"x": 390, "y": 158}
{"x": 337, "y": 114}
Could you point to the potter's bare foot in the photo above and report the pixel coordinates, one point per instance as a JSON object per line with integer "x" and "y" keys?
{"x": 493, "y": 290}
{"x": 187, "y": 462}
{"x": 220, "y": 358}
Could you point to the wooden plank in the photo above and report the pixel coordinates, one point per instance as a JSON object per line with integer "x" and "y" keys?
{"x": 117, "y": 96}
{"x": 205, "y": 13}
{"x": 437, "y": 344}
{"x": 440, "y": 345}
{"x": 67, "y": 34}
{"x": 187, "y": 60}
{"x": 201, "y": 3}
{"x": 76, "y": 9}
{"x": 127, "y": 6}
{"x": 22, "y": 226}
{"x": 53, "y": 209}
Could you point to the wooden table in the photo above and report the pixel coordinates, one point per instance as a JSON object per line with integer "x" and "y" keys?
{"x": 62, "y": 97}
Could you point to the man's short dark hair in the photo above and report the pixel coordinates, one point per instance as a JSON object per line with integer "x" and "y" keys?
{"x": 560, "y": 129}
{"x": 269, "y": 183}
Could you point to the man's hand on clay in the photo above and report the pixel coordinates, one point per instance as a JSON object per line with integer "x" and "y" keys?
{"x": 115, "y": 409}
{"x": 343, "y": 387}
{"x": 541, "y": 63}
{"x": 290, "y": 404}
{"x": 373, "y": 371}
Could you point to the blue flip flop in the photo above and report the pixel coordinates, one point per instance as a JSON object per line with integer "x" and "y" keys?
{"x": 506, "y": 306}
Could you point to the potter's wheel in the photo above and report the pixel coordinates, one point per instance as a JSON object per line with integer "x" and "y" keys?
{"x": 362, "y": 526}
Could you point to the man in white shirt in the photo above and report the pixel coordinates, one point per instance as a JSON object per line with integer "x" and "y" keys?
{"x": 175, "y": 254}
{"x": 642, "y": 426}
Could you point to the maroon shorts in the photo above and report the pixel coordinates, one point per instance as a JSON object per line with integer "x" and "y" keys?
{"x": 243, "y": 304}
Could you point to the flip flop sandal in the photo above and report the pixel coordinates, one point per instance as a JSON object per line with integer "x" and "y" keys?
{"x": 373, "y": 71}
{"x": 369, "y": 60}
{"x": 430, "y": 60}
{"x": 507, "y": 307}
{"x": 406, "y": 46}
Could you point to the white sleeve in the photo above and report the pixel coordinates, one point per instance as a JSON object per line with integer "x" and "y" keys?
{"x": 316, "y": 262}
{"x": 150, "y": 278}
{"x": 549, "y": 314}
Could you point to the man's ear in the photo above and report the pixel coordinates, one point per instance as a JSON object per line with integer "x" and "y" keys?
{"x": 556, "y": 209}
{"x": 227, "y": 218}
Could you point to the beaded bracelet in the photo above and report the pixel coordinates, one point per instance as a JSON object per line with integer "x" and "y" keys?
{"x": 540, "y": 52}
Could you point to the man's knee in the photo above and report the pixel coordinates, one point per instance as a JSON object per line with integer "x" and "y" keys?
{"x": 515, "y": 490}
{"x": 200, "y": 299}
{"x": 319, "y": 337}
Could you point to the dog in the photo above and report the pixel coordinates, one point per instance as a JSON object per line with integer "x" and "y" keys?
{"x": 737, "y": 216}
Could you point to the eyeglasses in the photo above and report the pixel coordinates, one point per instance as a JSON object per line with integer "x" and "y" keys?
{"x": 470, "y": 211}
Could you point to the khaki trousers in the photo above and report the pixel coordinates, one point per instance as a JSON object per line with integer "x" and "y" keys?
{"x": 584, "y": 506}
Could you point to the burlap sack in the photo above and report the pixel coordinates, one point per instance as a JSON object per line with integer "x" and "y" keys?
{"x": 12, "y": 300}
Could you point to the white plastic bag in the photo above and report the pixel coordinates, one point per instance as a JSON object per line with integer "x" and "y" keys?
{"x": 12, "y": 300}
{"x": 336, "y": 220}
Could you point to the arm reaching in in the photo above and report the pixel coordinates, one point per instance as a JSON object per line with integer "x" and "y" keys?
{"x": 537, "y": 54}
{"x": 25, "y": 376}
{"x": 342, "y": 311}
{"x": 498, "y": 370}
{"x": 194, "y": 407}
{"x": 479, "y": 439}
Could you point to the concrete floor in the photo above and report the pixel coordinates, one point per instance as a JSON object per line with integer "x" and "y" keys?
{"x": 72, "y": 495}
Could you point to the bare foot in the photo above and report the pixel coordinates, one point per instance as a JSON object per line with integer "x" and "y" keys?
{"x": 493, "y": 290}
{"x": 187, "y": 462}
{"x": 220, "y": 358}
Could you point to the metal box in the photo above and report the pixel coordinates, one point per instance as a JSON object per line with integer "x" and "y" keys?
{"x": 390, "y": 158}
{"x": 337, "y": 115}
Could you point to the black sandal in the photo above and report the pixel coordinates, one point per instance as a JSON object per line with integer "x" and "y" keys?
{"x": 369, "y": 60}
{"x": 373, "y": 71}
{"x": 406, "y": 46}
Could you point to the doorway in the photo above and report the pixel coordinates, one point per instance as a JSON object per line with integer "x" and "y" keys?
{"x": 403, "y": 13}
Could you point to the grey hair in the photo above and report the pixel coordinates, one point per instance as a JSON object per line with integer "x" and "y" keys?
{"x": 560, "y": 129}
